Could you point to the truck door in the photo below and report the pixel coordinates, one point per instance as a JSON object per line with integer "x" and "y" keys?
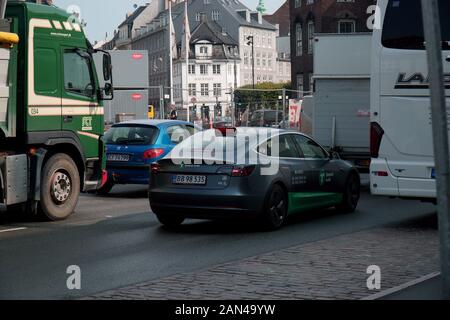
{"x": 44, "y": 90}
{"x": 80, "y": 109}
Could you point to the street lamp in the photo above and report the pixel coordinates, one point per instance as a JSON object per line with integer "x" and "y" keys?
{"x": 251, "y": 42}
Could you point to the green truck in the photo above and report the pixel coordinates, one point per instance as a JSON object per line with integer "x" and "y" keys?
{"x": 51, "y": 110}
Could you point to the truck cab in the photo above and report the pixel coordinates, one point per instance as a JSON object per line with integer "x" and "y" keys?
{"x": 51, "y": 110}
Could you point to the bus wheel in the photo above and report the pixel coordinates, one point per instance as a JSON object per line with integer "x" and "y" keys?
{"x": 60, "y": 187}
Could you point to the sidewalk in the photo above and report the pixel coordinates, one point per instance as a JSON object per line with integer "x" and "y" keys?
{"x": 329, "y": 269}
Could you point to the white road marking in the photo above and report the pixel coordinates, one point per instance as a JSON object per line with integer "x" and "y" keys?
{"x": 12, "y": 230}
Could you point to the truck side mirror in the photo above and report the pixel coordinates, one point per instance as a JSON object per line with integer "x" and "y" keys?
{"x": 107, "y": 67}
{"x": 109, "y": 91}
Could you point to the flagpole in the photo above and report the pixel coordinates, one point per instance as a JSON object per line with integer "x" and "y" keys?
{"x": 171, "y": 53}
{"x": 186, "y": 42}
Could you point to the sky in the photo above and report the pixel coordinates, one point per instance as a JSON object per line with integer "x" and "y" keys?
{"x": 103, "y": 16}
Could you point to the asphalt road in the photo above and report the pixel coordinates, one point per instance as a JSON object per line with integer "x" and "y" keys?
{"x": 116, "y": 242}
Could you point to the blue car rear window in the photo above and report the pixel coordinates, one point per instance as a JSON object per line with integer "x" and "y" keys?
{"x": 131, "y": 135}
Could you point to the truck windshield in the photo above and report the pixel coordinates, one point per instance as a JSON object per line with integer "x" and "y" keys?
{"x": 403, "y": 25}
{"x": 131, "y": 135}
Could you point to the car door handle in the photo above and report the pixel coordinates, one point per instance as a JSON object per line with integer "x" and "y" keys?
{"x": 68, "y": 119}
{"x": 448, "y": 59}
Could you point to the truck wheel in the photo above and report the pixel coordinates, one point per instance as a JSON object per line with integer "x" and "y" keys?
{"x": 60, "y": 187}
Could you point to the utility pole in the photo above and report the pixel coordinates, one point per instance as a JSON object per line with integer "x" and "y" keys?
{"x": 284, "y": 103}
{"x": 439, "y": 115}
{"x": 251, "y": 42}
{"x": 161, "y": 103}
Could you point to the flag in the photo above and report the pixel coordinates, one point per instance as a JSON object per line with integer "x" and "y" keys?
{"x": 173, "y": 36}
{"x": 186, "y": 33}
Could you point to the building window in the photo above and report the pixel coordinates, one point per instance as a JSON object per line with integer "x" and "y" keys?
{"x": 217, "y": 89}
{"x": 203, "y": 69}
{"x": 215, "y": 15}
{"x": 192, "y": 69}
{"x": 204, "y": 92}
{"x": 192, "y": 89}
{"x": 299, "y": 39}
{"x": 203, "y": 50}
{"x": 311, "y": 82}
{"x": 216, "y": 69}
{"x": 346, "y": 26}
{"x": 200, "y": 16}
{"x": 311, "y": 31}
{"x": 300, "y": 85}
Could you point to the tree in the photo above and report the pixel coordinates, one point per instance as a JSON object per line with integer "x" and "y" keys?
{"x": 266, "y": 94}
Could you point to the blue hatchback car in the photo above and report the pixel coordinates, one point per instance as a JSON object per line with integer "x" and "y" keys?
{"x": 131, "y": 147}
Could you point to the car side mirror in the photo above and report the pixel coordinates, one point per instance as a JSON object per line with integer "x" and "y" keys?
{"x": 334, "y": 155}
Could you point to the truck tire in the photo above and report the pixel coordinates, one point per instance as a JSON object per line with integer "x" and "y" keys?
{"x": 60, "y": 187}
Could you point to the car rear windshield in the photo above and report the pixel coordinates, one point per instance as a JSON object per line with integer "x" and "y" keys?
{"x": 131, "y": 135}
{"x": 403, "y": 25}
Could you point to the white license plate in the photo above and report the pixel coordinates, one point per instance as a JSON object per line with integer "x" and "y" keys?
{"x": 189, "y": 180}
{"x": 119, "y": 157}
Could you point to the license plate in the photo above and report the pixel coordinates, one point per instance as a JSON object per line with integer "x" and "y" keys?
{"x": 189, "y": 180}
{"x": 433, "y": 174}
{"x": 118, "y": 157}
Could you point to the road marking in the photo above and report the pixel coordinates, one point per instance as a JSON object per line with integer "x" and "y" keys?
{"x": 12, "y": 230}
{"x": 388, "y": 292}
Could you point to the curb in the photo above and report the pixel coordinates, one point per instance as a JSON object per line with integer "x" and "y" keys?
{"x": 407, "y": 285}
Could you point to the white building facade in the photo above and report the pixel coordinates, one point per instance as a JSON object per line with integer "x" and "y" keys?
{"x": 214, "y": 72}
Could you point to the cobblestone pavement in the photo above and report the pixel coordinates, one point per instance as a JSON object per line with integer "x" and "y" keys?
{"x": 329, "y": 269}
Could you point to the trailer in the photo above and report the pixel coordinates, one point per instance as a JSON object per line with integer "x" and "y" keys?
{"x": 131, "y": 78}
{"x": 341, "y": 99}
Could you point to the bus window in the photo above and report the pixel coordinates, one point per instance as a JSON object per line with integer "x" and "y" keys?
{"x": 403, "y": 25}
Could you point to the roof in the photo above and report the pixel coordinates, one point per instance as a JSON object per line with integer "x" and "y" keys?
{"x": 130, "y": 19}
{"x": 235, "y": 5}
{"x": 212, "y": 32}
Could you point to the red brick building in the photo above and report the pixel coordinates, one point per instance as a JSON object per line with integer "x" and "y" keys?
{"x": 308, "y": 17}
{"x": 281, "y": 17}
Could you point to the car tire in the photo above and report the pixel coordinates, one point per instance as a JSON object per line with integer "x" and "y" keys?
{"x": 106, "y": 189}
{"x": 352, "y": 194}
{"x": 275, "y": 210}
{"x": 170, "y": 221}
{"x": 60, "y": 188}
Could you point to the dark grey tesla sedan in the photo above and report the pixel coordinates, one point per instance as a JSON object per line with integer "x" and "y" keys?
{"x": 266, "y": 174}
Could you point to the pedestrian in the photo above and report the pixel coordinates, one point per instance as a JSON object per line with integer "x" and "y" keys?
{"x": 173, "y": 114}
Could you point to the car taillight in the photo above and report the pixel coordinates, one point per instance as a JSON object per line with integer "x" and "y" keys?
{"x": 225, "y": 131}
{"x": 242, "y": 171}
{"x": 381, "y": 174}
{"x": 153, "y": 153}
{"x": 155, "y": 168}
{"x": 104, "y": 178}
{"x": 376, "y": 135}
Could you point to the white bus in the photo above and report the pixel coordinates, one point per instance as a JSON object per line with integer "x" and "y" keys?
{"x": 401, "y": 134}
